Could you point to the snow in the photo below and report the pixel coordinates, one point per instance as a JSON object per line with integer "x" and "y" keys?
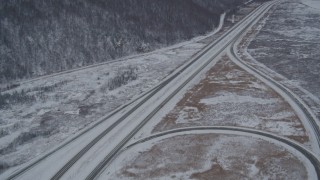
{"x": 293, "y": 104}
{"x": 184, "y": 115}
{"x": 233, "y": 98}
{"x": 227, "y": 96}
{"x": 105, "y": 145}
{"x": 75, "y": 112}
{"x": 131, "y": 156}
{"x": 254, "y": 170}
{"x": 89, "y": 88}
{"x": 281, "y": 115}
{"x": 299, "y": 30}
{"x": 257, "y": 86}
{"x": 246, "y": 111}
{"x": 220, "y": 147}
{"x": 312, "y": 3}
{"x": 293, "y": 26}
{"x": 82, "y": 99}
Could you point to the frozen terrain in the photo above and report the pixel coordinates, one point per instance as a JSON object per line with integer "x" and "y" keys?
{"x": 40, "y": 114}
{"x": 225, "y": 96}
{"x": 230, "y": 96}
{"x": 288, "y": 43}
{"x": 209, "y": 156}
{"x": 40, "y": 37}
{"x": 64, "y": 104}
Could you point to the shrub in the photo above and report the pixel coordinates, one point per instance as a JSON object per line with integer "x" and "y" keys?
{"x": 3, "y": 166}
{"x": 50, "y": 88}
{"x": 123, "y": 77}
{"x": 15, "y": 98}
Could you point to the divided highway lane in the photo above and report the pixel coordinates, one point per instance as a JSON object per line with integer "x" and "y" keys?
{"x": 79, "y": 156}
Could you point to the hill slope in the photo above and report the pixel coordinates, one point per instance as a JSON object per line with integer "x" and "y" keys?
{"x": 40, "y": 37}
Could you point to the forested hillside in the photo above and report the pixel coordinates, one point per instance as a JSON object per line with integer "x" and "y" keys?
{"x": 40, "y": 37}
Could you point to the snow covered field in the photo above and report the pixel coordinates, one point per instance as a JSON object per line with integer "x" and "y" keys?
{"x": 229, "y": 96}
{"x": 288, "y": 43}
{"x": 76, "y": 100}
{"x": 209, "y": 156}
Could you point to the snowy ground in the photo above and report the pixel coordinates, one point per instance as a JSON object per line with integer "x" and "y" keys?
{"x": 288, "y": 43}
{"x": 209, "y": 156}
{"x": 229, "y": 96}
{"x": 226, "y": 95}
{"x": 79, "y": 99}
{"x": 55, "y": 108}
